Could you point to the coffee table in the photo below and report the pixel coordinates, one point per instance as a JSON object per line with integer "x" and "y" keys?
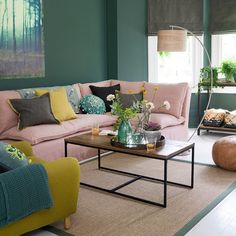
{"x": 164, "y": 153}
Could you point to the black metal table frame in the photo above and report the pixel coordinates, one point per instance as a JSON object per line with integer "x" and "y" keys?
{"x": 138, "y": 177}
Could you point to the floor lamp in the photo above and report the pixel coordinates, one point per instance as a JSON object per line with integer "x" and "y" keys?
{"x": 174, "y": 40}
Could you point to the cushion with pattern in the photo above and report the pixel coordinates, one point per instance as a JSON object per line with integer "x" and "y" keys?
{"x": 91, "y": 104}
{"x": 11, "y": 157}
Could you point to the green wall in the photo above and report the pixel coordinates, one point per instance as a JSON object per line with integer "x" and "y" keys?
{"x": 93, "y": 40}
{"x": 75, "y": 44}
{"x": 132, "y": 40}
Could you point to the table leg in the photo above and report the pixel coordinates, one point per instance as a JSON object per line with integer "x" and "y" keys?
{"x": 192, "y": 168}
{"x": 165, "y": 184}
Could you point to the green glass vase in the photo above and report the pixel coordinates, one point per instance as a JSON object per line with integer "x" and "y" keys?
{"x": 125, "y": 131}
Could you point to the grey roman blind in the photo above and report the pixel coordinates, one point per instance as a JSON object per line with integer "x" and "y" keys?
{"x": 184, "y": 13}
{"x": 223, "y": 16}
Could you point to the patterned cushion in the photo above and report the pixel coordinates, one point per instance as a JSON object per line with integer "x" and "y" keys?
{"x": 214, "y": 117}
{"x": 230, "y": 119}
{"x": 92, "y": 104}
{"x": 11, "y": 157}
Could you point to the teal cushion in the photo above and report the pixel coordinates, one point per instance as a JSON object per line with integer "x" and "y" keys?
{"x": 11, "y": 157}
{"x": 91, "y": 104}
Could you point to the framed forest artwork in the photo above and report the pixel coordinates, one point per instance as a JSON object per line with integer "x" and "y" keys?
{"x": 21, "y": 39}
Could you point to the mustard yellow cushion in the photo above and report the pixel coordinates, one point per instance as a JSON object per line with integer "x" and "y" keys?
{"x": 60, "y": 105}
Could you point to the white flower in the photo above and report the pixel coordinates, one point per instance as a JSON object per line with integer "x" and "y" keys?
{"x": 150, "y": 105}
{"x": 166, "y": 105}
{"x": 110, "y": 97}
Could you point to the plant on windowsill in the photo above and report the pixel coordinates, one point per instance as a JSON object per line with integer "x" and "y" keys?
{"x": 205, "y": 77}
{"x": 228, "y": 68}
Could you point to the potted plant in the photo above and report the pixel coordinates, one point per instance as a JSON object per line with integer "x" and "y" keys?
{"x": 152, "y": 132}
{"x": 229, "y": 69}
{"x": 205, "y": 76}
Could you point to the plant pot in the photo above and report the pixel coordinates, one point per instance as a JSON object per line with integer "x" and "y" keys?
{"x": 152, "y": 136}
{"x": 235, "y": 77}
{"x": 125, "y": 132}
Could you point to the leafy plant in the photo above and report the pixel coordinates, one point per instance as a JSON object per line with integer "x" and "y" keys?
{"x": 229, "y": 69}
{"x": 152, "y": 126}
{"x": 123, "y": 114}
{"x": 205, "y": 76}
{"x": 164, "y": 54}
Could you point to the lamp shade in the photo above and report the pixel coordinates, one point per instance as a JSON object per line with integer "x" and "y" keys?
{"x": 171, "y": 40}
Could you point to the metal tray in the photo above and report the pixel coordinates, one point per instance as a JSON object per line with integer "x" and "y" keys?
{"x": 114, "y": 142}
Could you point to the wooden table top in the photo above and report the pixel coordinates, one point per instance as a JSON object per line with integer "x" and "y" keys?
{"x": 170, "y": 149}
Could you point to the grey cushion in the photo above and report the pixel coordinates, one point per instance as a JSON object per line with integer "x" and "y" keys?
{"x": 127, "y": 100}
{"x": 33, "y": 111}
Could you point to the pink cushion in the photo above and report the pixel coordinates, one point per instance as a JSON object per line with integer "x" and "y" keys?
{"x": 127, "y": 87}
{"x": 40, "y": 133}
{"x": 173, "y": 93}
{"x": 85, "y": 90}
{"x": 8, "y": 118}
{"x": 166, "y": 120}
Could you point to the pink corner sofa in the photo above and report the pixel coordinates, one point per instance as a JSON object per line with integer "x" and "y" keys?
{"x": 48, "y": 140}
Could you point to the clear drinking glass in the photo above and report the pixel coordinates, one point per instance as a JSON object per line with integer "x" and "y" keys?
{"x": 95, "y": 128}
{"x": 151, "y": 138}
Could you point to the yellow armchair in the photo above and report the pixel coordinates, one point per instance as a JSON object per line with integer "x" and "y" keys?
{"x": 63, "y": 177}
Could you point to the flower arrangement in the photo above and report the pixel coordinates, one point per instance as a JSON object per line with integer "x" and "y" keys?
{"x": 140, "y": 109}
{"x": 124, "y": 114}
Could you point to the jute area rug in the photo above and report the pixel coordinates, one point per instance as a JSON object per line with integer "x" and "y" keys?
{"x": 101, "y": 213}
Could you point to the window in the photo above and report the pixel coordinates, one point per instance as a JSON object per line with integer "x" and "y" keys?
{"x": 174, "y": 67}
{"x": 223, "y": 48}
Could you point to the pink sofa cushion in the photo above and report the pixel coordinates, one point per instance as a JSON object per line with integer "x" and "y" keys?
{"x": 173, "y": 93}
{"x": 165, "y": 120}
{"x": 40, "y": 133}
{"x": 127, "y": 87}
{"x": 85, "y": 90}
{"x": 8, "y": 118}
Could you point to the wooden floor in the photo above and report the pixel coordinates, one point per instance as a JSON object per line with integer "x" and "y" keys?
{"x": 220, "y": 221}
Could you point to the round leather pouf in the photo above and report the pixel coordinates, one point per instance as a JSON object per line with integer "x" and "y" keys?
{"x": 224, "y": 152}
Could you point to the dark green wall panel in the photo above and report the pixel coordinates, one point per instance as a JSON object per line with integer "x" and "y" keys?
{"x": 132, "y": 40}
{"x": 75, "y": 44}
{"x": 219, "y": 100}
{"x": 112, "y": 47}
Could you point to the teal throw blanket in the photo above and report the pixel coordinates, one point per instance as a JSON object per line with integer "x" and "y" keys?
{"x": 23, "y": 191}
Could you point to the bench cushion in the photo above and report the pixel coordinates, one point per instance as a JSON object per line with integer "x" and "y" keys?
{"x": 40, "y": 133}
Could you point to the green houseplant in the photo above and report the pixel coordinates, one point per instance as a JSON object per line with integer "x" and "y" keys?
{"x": 205, "y": 76}
{"x": 229, "y": 69}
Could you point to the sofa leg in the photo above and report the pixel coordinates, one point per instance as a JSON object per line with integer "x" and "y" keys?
{"x": 67, "y": 222}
